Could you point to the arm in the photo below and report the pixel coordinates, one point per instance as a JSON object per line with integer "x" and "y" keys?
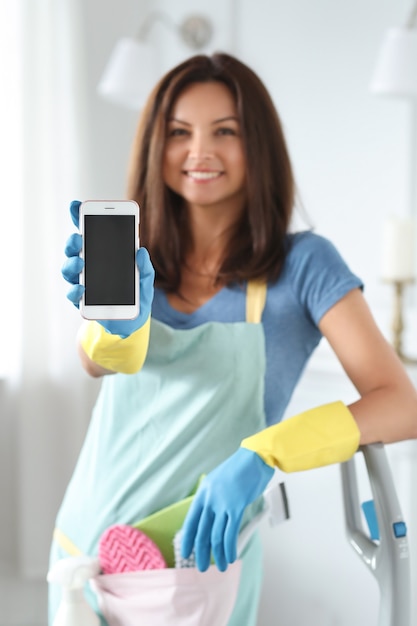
{"x": 386, "y": 411}
{"x": 102, "y": 353}
{"x": 92, "y": 368}
{"x": 387, "y": 408}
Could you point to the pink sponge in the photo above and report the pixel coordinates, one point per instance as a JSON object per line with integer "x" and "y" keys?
{"x": 126, "y": 549}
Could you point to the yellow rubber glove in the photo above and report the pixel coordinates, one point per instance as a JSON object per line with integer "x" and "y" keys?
{"x": 321, "y": 436}
{"x": 112, "y": 351}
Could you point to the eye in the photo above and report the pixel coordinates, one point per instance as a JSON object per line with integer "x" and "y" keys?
{"x": 177, "y": 132}
{"x": 226, "y": 130}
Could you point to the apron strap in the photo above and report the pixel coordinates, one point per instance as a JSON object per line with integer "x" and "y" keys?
{"x": 65, "y": 543}
{"x": 255, "y": 301}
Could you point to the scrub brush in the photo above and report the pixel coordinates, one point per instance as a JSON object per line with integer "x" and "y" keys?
{"x": 180, "y": 561}
{"x": 123, "y": 548}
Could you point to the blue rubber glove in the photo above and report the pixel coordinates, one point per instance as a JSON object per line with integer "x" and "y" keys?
{"x": 213, "y": 520}
{"x": 74, "y": 264}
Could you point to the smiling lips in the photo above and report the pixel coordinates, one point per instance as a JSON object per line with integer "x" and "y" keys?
{"x": 202, "y": 174}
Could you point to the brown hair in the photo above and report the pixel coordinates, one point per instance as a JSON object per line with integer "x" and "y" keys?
{"x": 257, "y": 247}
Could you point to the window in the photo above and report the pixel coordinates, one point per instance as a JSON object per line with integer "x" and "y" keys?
{"x": 11, "y": 141}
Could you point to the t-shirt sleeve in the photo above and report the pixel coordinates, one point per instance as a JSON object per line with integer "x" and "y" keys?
{"x": 319, "y": 275}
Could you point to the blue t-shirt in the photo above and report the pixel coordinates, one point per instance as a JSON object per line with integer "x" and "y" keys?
{"x": 313, "y": 279}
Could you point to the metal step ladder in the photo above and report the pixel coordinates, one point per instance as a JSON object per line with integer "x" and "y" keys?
{"x": 384, "y": 550}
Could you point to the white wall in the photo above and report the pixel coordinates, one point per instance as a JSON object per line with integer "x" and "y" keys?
{"x": 350, "y": 152}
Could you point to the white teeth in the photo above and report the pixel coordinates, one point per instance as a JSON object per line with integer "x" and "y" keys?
{"x": 203, "y": 175}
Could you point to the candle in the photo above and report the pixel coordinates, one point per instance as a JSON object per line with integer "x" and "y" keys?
{"x": 398, "y": 239}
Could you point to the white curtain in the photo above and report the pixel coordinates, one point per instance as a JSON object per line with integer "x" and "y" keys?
{"x": 45, "y": 398}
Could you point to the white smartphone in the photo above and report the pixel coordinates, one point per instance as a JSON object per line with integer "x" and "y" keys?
{"x": 110, "y": 234}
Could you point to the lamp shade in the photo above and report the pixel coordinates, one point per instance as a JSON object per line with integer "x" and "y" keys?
{"x": 129, "y": 75}
{"x": 396, "y": 69}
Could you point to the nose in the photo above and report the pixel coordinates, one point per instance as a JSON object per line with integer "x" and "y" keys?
{"x": 200, "y": 145}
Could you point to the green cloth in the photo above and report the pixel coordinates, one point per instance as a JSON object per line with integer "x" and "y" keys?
{"x": 163, "y": 525}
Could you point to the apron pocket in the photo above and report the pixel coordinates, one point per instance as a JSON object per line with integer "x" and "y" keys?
{"x": 168, "y": 597}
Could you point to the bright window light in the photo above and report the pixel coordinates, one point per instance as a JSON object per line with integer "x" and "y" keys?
{"x": 11, "y": 166}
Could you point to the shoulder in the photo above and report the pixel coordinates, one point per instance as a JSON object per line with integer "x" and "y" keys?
{"x": 307, "y": 243}
{"x": 310, "y": 254}
{"x": 315, "y": 273}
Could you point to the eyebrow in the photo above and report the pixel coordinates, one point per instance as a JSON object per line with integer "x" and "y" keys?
{"x": 232, "y": 118}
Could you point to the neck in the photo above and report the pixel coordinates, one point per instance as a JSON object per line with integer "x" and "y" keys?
{"x": 210, "y": 229}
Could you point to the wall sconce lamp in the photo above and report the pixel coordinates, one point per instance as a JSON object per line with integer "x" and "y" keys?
{"x": 396, "y": 69}
{"x": 131, "y": 70}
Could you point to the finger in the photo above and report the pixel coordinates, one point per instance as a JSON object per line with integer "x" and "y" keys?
{"x": 203, "y": 539}
{"x": 71, "y": 269}
{"x": 217, "y": 541}
{"x": 147, "y": 278}
{"x": 74, "y": 245}
{"x": 190, "y": 526}
{"x": 75, "y": 294}
{"x": 144, "y": 264}
{"x": 75, "y": 212}
{"x": 231, "y": 535}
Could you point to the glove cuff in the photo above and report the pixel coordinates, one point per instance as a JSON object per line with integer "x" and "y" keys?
{"x": 321, "y": 436}
{"x": 111, "y": 351}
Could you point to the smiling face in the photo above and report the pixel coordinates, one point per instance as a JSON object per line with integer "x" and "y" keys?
{"x": 204, "y": 161}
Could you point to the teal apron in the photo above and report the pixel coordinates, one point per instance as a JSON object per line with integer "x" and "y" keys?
{"x": 154, "y": 433}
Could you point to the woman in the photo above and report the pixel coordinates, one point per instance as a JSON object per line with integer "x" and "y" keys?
{"x": 239, "y": 306}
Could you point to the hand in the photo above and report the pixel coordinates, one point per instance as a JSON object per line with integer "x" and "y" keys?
{"x": 74, "y": 264}
{"x": 215, "y": 514}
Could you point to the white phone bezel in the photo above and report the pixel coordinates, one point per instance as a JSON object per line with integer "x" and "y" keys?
{"x": 113, "y": 207}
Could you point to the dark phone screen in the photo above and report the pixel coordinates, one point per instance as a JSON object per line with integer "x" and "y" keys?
{"x": 109, "y": 254}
